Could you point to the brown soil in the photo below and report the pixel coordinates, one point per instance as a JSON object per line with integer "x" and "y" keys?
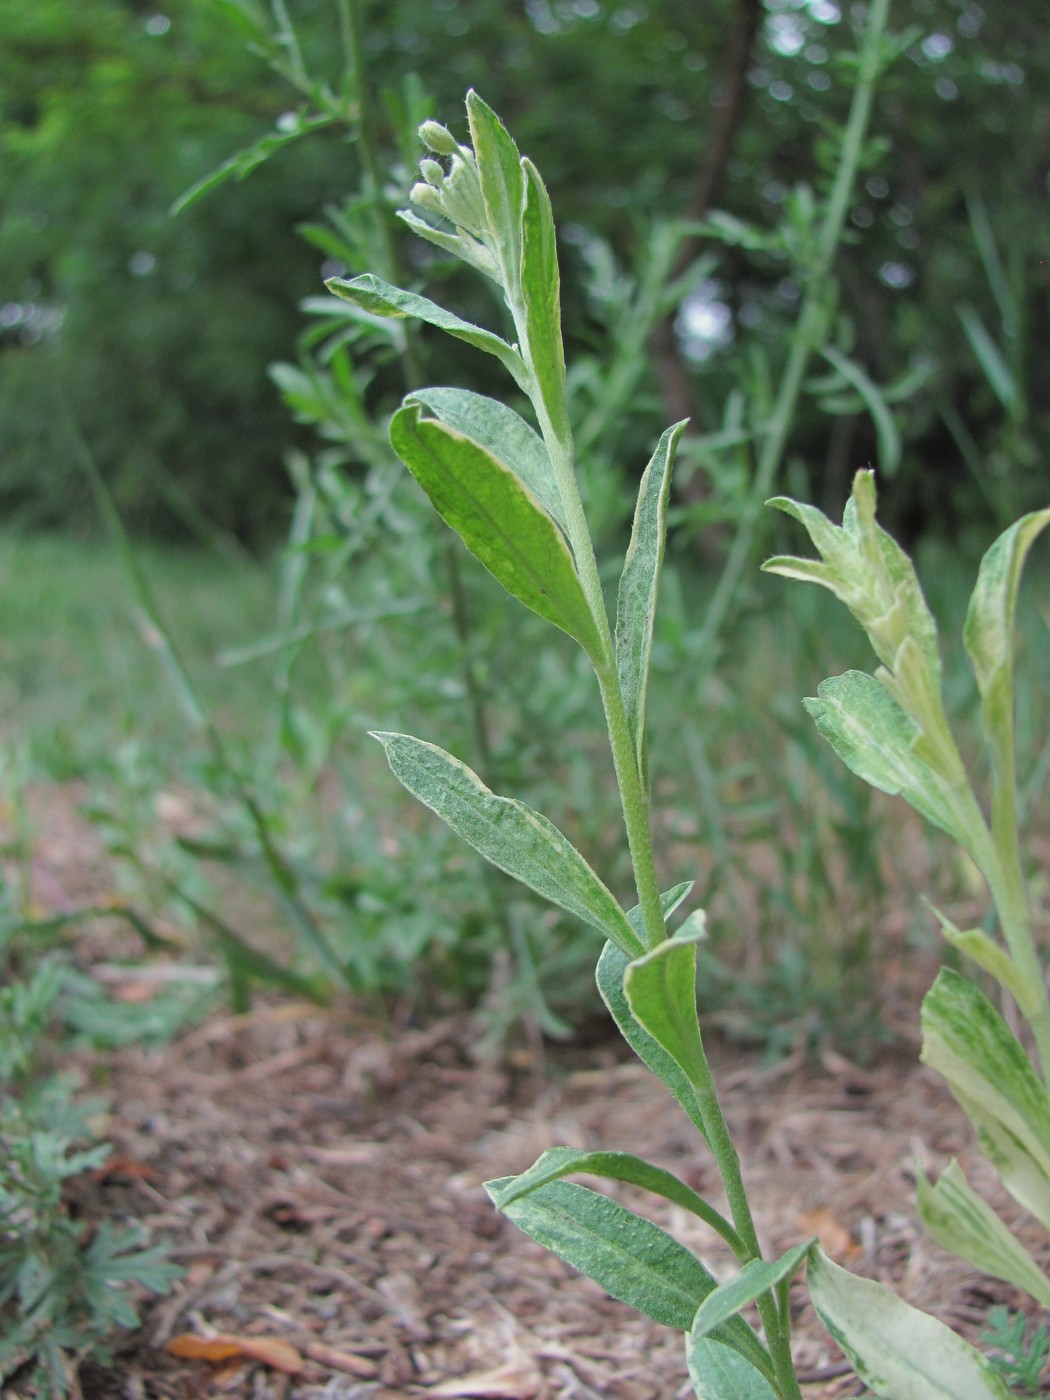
{"x": 320, "y": 1182}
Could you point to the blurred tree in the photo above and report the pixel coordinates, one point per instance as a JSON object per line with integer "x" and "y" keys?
{"x": 159, "y": 330}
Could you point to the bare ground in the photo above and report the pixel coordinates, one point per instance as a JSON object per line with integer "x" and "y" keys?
{"x": 319, "y": 1179}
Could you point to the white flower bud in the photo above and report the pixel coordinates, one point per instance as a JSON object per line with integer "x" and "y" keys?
{"x": 433, "y": 172}
{"x": 427, "y": 198}
{"x": 437, "y": 138}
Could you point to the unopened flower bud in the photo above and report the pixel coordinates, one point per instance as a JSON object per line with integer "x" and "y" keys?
{"x": 433, "y": 172}
{"x": 426, "y": 197}
{"x": 437, "y": 138}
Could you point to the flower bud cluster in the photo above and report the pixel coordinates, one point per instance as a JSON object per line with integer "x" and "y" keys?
{"x": 452, "y": 196}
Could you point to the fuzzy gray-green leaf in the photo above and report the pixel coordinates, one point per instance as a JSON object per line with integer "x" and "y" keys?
{"x": 989, "y": 637}
{"x": 502, "y": 432}
{"x": 660, "y": 987}
{"x": 966, "y": 1040}
{"x": 956, "y": 1217}
{"x": 499, "y": 520}
{"x": 381, "y": 298}
{"x": 631, "y": 1258}
{"x": 541, "y": 295}
{"x": 897, "y": 1351}
{"x": 502, "y": 185}
{"x": 506, "y": 832}
{"x": 758, "y": 1276}
{"x": 876, "y": 740}
{"x": 559, "y": 1162}
{"x": 720, "y": 1373}
{"x": 612, "y": 965}
{"x": 639, "y": 584}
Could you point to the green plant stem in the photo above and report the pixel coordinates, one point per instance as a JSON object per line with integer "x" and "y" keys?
{"x": 811, "y": 330}
{"x": 1006, "y": 882}
{"x": 633, "y": 799}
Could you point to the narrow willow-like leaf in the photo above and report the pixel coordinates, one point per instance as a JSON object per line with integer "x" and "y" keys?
{"x": 502, "y": 432}
{"x": 758, "y": 1276}
{"x": 989, "y": 637}
{"x": 502, "y": 184}
{"x": 660, "y": 988}
{"x": 967, "y": 1042}
{"x": 630, "y": 1257}
{"x": 897, "y": 1351}
{"x": 541, "y": 294}
{"x": 956, "y": 1217}
{"x": 612, "y": 965}
{"x": 720, "y": 1373}
{"x": 990, "y": 955}
{"x": 639, "y": 584}
{"x": 460, "y": 244}
{"x": 876, "y": 740}
{"x": 512, "y": 836}
{"x": 885, "y": 429}
{"x": 990, "y": 357}
{"x": 500, "y": 521}
{"x": 381, "y": 298}
{"x": 559, "y": 1162}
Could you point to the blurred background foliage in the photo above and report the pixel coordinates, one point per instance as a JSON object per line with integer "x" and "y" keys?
{"x": 189, "y": 369}
{"x": 158, "y": 331}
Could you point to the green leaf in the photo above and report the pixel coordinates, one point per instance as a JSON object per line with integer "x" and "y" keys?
{"x": 989, "y": 955}
{"x": 897, "y": 1351}
{"x": 541, "y": 294}
{"x": 499, "y": 520}
{"x": 876, "y": 739}
{"x": 956, "y": 1217}
{"x": 379, "y": 298}
{"x": 989, "y": 637}
{"x": 719, "y": 1373}
{"x": 612, "y": 966}
{"x": 502, "y": 184}
{"x": 966, "y": 1040}
{"x": 558, "y": 1162}
{"x": 631, "y": 1258}
{"x": 241, "y": 164}
{"x": 660, "y": 987}
{"x": 990, "y": 358}
{"x": 639, "y": 583}
{"x": 758, "y": 1276}
{"x": 512, "y": 836}
{"x": 885, "y": 428}
{"x": 502, "y": 432}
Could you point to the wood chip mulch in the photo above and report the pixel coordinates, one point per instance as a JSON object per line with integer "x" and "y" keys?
{"x": 322, "y": 1188}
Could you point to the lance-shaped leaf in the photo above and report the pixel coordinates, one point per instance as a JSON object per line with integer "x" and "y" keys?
{"x": 956, "y": 1217}
{"x": 719, "y": 1373}
{"x": 876, "y": 740}
{"x": 989, "y": 637}
{"x": 499, "y": 519}
{"x": 660, "y": 988}
{"x": 639, "y": 584}
{"x": 559, "y": 1162}
{"x": 966, "y": 1040}
{"x": 897, "y": 1351}
{"x": 512, "y": 836}
{"x": 502, "y": 184}
{"x": 380, "y": 298}
{"x": 502, "y": 432}
{"x": 612, "y": 966}
{"x": 631, "y": 1258}
{"x": 757, "y": 1276}
{"x": 976, "y": 944}
{"x": 885, "y": 429}
{"x": 541, "y": 296}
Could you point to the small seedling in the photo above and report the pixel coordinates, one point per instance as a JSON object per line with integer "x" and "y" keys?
{"x": 1020, "y": 1357}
